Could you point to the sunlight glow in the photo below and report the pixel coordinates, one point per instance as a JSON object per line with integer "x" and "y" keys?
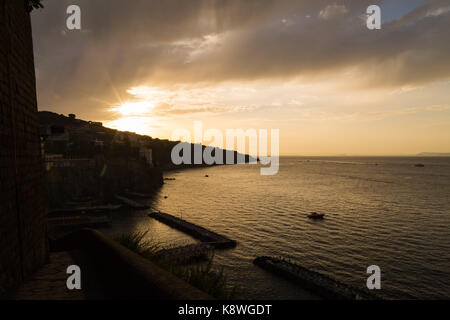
{"x": 135, "y": 108}
{"x": 140, "y": 125}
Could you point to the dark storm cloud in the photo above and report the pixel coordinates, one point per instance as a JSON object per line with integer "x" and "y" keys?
{"x": 165, "y": 42}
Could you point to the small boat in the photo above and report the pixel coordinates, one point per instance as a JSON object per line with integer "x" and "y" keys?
{"x": 419, "y": 165}
{"x": 316, "y": 216}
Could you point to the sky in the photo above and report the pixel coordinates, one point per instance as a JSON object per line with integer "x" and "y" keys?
{"x": 310, "y": 68}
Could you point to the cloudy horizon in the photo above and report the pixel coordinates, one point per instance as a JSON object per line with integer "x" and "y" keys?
{"x": 309, "y": 68}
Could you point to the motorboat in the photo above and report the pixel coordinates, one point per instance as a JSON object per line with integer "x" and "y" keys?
{"x": 316, "y": 216}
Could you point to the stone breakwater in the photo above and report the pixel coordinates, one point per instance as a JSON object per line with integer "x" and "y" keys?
{"x": 186, "y": 254}
{"x": 317, "y": 283}
{"x": 204, "y": 235}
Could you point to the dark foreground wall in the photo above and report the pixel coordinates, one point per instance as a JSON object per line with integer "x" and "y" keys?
{"x": 119, "y": 273}
{"x": 22, "y": 212}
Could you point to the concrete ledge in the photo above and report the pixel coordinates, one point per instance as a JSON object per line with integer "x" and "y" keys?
{"x": 123, "y": 274}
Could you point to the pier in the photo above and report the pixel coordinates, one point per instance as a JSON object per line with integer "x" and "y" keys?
{"x": 133, "y": 204}
{"x": 320, "y": 284}
{"x": 83, "y": 210}
{"x": 186, "y": 254}
{"x": 139, "y": 195}
{"x": 204, "y": 235}
{"x": 80, "y": 221}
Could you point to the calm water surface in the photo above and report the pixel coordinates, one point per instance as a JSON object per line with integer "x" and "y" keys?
{"x": 381, "y": 211}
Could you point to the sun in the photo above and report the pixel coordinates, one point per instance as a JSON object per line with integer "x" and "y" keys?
{"x": 134, "y": 116}
{"x": 140, "y": 108}
{"x": 139, "y": 125}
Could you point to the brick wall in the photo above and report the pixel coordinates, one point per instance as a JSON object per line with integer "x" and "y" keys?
{"x": 22, "y": 214}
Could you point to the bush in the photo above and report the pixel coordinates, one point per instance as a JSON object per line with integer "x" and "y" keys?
{"x": 136, "y": 243}
{"x": 202, "y": 276}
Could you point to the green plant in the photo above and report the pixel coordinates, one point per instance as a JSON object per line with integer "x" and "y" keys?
{"x": 136, "y": 242}
{"x": 206, "y": 278}
{"x": 202, "y": 275}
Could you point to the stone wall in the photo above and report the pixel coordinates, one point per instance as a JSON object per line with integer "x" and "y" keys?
{"x": 22, "y": 213}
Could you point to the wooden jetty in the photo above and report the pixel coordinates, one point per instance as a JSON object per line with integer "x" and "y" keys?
{"x": 139, "y": 195}
{"x": 80, "y": 222}
{"x": 131, "y": 203}
{"x": 317, "y": 283}
{"x": 212, "y": 238}
{"x": 83, "y": 210}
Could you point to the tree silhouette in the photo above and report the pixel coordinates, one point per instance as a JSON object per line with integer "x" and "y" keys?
{"x": 33, "y": 4}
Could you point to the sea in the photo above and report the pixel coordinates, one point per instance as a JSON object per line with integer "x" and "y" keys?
{"x": 382, "y": 211}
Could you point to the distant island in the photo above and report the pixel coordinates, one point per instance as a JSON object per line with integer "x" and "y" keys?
{"x": 433, "y": 154}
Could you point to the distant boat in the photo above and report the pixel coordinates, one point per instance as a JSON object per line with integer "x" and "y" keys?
{"x": 316, "y": 216}
{"x": 419, "y": 165}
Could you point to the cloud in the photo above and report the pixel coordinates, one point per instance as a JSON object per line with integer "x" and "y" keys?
{"x": 198, "y": 42}
{"x": 384, "y": 114}
{"x": 332, "y": 11}
{"x": 169, "y": 110}
{"x": 439, "y": 11}
{"x": 164, "y": 110}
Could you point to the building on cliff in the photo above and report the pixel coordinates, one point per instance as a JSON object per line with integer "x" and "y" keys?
{"x": 83, "y": 160}
{"x": 23, "y": 246}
